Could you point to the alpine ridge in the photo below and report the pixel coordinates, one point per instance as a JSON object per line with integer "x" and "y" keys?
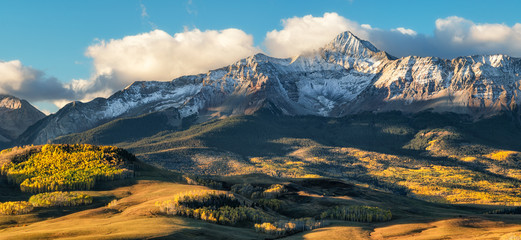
{"x": 346, "y": 76}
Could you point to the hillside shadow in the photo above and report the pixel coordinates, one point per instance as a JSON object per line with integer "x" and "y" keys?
{"x": 10, "y": 192}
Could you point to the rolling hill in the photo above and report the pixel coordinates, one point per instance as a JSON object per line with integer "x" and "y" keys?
{"x": 118, "y": 204}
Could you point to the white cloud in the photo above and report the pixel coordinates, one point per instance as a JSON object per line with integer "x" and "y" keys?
{"x": 301, "y": 34}
{"x": 366, "y": 26}
{"x": 13, "y": 73}
{"x": 453, "y": 29}
{"x": 465, "y": 37}
{"x": 405, "y": 31}
{"x": 157, "y": 55}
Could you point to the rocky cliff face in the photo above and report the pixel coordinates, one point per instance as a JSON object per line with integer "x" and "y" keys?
{"x": 15, "y": 116}
{"x": 346, "y": 76}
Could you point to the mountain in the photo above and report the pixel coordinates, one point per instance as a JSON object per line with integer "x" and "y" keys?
{"x": 346, "y": 76}
{"x": 15, "y": 116}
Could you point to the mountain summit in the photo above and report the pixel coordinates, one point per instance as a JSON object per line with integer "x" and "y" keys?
{"x": 350, "y": 45}
{"x": 15, "y": 116}
{"x": 346, "y": 76}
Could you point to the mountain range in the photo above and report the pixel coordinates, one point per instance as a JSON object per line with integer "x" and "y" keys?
{"x": 346, "y": 76}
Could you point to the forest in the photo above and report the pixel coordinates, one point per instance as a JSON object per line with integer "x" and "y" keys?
{"x": 48, "y": 171}
{"x": 67, "y": 167}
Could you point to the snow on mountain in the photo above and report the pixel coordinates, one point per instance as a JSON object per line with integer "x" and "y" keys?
{"x": 346, "y": 76}
{"x": 349, "y": 51}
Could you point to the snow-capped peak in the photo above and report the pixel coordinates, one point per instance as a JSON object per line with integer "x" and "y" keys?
{"x": 351, "y": 52}
{"x": 9, "y": 102}
{"x": 351, "y": 45}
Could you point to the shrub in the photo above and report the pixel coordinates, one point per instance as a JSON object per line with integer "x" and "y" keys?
{"x": 113, "y": 203}
{"x": 60, "y": 199}
{"x": 286, "y": 227}
{"x": 15, "y": 208}
{"x": 274, "y": 191}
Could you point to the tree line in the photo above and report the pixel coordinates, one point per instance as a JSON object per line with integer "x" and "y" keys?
{"x": 51, "y": 199}
{"x": 358, "y": 213}
{"x": 212, "y": 206}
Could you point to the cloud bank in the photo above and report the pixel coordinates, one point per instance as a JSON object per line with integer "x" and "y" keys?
{"x": 452, "y": 37}
{"x": 464, "y": 37}
{"x": 30, "y": 84}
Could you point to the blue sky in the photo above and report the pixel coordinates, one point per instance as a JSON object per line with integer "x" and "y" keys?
{"x": 50, "y": 39}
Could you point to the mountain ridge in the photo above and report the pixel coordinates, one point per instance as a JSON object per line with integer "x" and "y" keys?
{"x": 346, "y": 76}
